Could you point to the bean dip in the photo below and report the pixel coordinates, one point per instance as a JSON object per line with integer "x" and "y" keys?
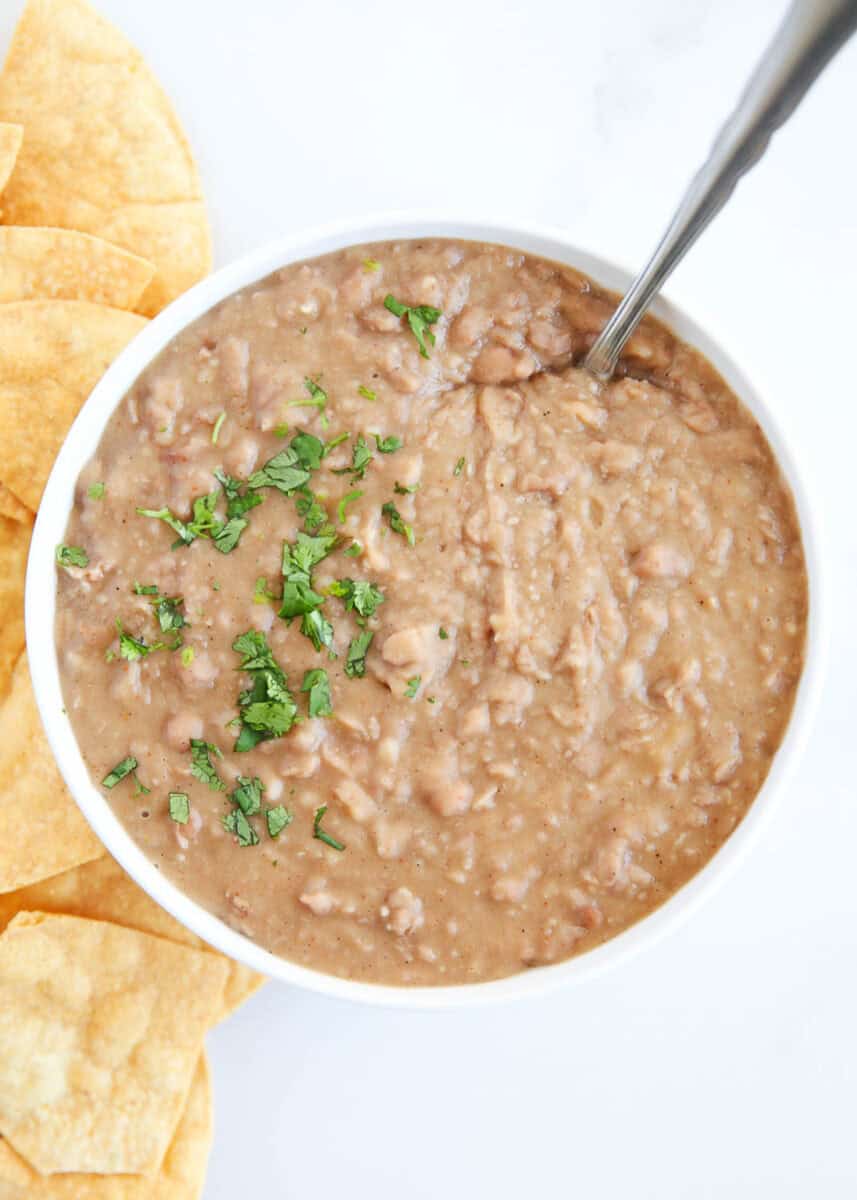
{"x": 430, "y": 657}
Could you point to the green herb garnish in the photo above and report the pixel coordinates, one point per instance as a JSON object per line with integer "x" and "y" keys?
{"x": 167, "y": 612}
{"x": 123, "y": 768}
{"x": 354, "y": 550}
{"x": 371, "y": 264}
{"x": 419, "y": 318}
{"x": 72, "y": 556}
{"x": 459, "y": 466}
{"x": 361, "y": 457}
{"x": 277, "y": 819}
{"x": 317, "y": 684}
{"x": 347, "y": 499}
{"x": 218, "y": 425}
{"x": 202, "y": 768}
{"x": 145, "y": 589}
{"x": 317, "y": 399}
{"x": 179, "y": 807}
{"x": 442, "y": 634}
{"x": 396, "y": 523}
{"x": 188, "y": 655}
{"x": 358, "y": 595}
{"x": 387, "y": 445}
{"x": 236, "y": 823}
{"x": 355, "y": 662}
{"x": 406, "y": 489}
{"x": 321, "y": 834}
{"x": 413, "y": 686}
{"x": 262, "y": 594}
{"x": 247, "y": 795}
{"x": 267, "y": 708}
{"x": 299, "y": 599}
{"x": 96, "y": 491}
{"x": 367, "y": 393}
{"x": 334, "y": 442}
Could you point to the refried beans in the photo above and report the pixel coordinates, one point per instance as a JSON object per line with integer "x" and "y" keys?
{"x": 430, "y": 657}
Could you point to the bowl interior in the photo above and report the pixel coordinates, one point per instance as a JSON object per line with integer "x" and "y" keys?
{"x": 41, "y": 602}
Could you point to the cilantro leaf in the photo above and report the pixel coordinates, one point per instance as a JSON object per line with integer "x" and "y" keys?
{"x": 361, "y": 457}
{"x": 133, "y": 648}
{"x": 317, "y": 684}
{"x": 313, "y": 512}
{"x": 284, "y": 472}
{"x": 413, "y": 686}
{"x": 406, "y": 489}
{"x": 145, "y": 589}
{"x": 267, "y": 708}
{"x": 316, "y": 627}
{"x": 167, "y": 612}
{"x": 202, "y": 768}
{"x": 459, "y": 466}
{"x": 262, "y": 594}
{"x": 123, "y": 768}
{"x": 227, "y": 536}
{"x": 317, "y": 399}
{"x": 169, "y": 518}
{"x": 388, "y": 445}
{"x": 354, "y": 550}
{"x": 179, "y": 807}
{"x": 239, "y": 500}
{"x": 334, "y": 442}
{"x": 321, "y": 834}
{"x": 218, "y": 425}
{"x": 235, "y": 822}
{"x": 248, "y": 795}
{"x": 347, "y": 499}
{"x": 396, "y": 523}
{"x": 367, "y": 393}
{"x": 72, "y": 556}
{"x": 359, "y": 595}
{"x": 277, "y": 819}
{"x": 96, "y": 491}
{"x": 355, "y": 662}
{"x": 419, "y": 317}
{"x": 442, "y": 634}
{"x": 309, "y": 449}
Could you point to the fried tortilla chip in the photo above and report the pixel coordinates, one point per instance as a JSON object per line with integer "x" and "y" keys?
{"x": 101, "y": 890}
{"x": 14, "y": 547}
{"x": 52, "y": 353}
{"x": 61, "y": 264}
{"x": 101, "y": 1028}
{"x": 181, "y": 1176}
{"x": 42, "y": 831}
{"x": 10, "y": 145}
{"x": 104, "y": 151}
{"x": 11, "y": 506}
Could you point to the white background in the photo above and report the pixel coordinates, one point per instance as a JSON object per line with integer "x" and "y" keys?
{"x": 722, "y": 1063}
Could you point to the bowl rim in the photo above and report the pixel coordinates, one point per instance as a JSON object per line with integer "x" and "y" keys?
{"x": 41, "y": 585}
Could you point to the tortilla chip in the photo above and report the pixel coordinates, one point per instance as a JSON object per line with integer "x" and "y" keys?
{"x": 14, "y": 547}
{"x": 100, "y": 1031}
{"x": 42, "y": 831}
{"x": 11, "y": 506}
{"x": 10, "y": 145}
{"x": 101, "y": 890}
{"x": 52, "y": 353}
{"x": 104, "y": 151}
{"x": 61, "y": 264}
{"x": 181, "y": 1176}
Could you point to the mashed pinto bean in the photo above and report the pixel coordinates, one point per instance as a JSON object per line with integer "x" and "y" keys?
{"x": 581, "y": 668}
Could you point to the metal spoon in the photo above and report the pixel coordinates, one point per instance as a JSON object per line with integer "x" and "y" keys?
{"x": 810, "y": 35}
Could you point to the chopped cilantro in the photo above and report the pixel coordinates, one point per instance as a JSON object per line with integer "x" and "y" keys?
{"x": 299, "y": 599}
{"x": 371, "y": 264}
{"x": 388, "y": 445}
{"x": 459, "y": 466}
{"x": 442, "y": 634}
{"x": 262, "y": 594}
{"x": 145, "y": 589}
{"x": 235, "y": 822}
{"x": 277, "y": 819}
{"x": 355, "y": 662}
{"x": 347, "y": 499}
{"x": 334, "y": 442}
{"x": 317, "y": 684}
{"x": 247, "y": 795}
{"x": 188, "y": 655}
{"x": 321, "y": 834}
{"x": 218, "y": 425}
{"x": 179, "y": 807}
{"x": 186, "y": 535}
{"x": 167, "y": 612}
{"x": 72, "y": 556}
{"x": 406, "y": 489}
{"x": 123, "y": 768}
{"x": 419, "y": 318}
{"x": 133, "y": 648}
{"x": 140, "y": 789}
{"x": 309, "y": 449}
{"x": 361, "y": 457}
{"x": 316, "y": 627}
{"x": 202, "y": 768}
{"x": 354, "y": 550}
{"x": 96, "y": 491}
{"x": 413, "y": 686}
{"x": 367, "y": 393}
{"x": 358, "y": 595}
{"x": 396, "y": 523}
{"x": 281, "y": 431}
{"x": 317, "y": 399}
{"x": 284, "y": 471}
{"x": 267, "y": 708}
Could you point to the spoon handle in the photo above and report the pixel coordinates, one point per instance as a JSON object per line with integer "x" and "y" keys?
{"x": 810, "y": 35}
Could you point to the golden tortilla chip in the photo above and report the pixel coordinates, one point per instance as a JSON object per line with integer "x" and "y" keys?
{"x": 42, "y": 831}
{"x": 14, "y": 547}
{"x": 104, "y": 151}
{"x": 10, "y": 145}
{"x": 101, "y": 890}
{"x": 11, "y": 506}
{"x": 181, "y": 1176}
{"x": 52, "y": 353}
{"x": 100, "y": 1031}
{"x": 62, "y": 264}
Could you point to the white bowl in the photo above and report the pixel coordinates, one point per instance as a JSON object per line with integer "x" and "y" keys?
{"x": 41, "y": 599}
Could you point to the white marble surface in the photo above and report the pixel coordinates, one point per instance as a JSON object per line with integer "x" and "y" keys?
{"x": 723, "y": 1062}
